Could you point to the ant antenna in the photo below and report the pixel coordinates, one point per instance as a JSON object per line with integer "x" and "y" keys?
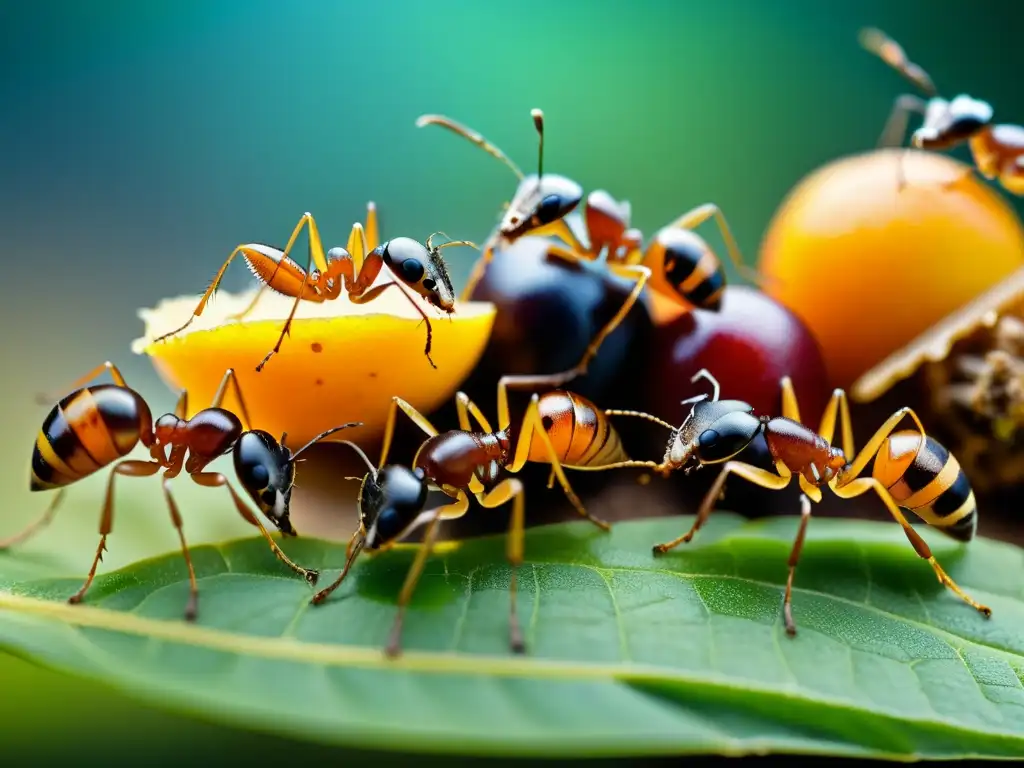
{"x": 449, "y": 244}
{"x": 888, "y": 50}
{"x": 363, "y": 456}
{"x": 704, "y": 373}
{"x": 538, "y": 123}
{"x": 470, "y": 135}
{"x": 323, "y": 435}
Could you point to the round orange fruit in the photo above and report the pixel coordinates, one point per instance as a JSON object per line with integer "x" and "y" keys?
{"x": 869, "y": 264}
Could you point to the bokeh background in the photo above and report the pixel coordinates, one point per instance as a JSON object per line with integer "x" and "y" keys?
{"x": 139, "y": 142}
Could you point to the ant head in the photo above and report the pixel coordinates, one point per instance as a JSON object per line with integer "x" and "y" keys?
{"x": 714, "y": 430}
{"x": 421, "y": 268}
{"x": 390, "y": 503}
{"x": 266, "y": 469}
{"x": 949, "y": 123}
{"x": 538, "y": 202}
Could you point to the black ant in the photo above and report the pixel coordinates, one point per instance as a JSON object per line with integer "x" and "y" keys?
{"x": 997, "y": 150}
{"x": 98, "y": 425}
{"x": 678, "y": 263}
{"x": 559, "y": 428}
{"x": 353, "y": 269}
{"x": 911, "y": 471}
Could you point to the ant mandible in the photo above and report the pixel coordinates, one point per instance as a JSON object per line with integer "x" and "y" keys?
{"x": 98, "y": 425}
{"x": 911, "y": 471}
{"x": 997, "y": 150}
{"x": 353, "y": 269}
{"x": 678, "y": 263}
{"x": 559, "y": 428}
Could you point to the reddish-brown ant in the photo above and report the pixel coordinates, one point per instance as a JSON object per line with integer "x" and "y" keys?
{"x": 353, "y": 269}
{"x": 997, "y": 150}
{"x": 98, "y": 425}
{"x": 911, "y": 471}
{"x": 678, "y": 263}
{"x": 559, "y": 428}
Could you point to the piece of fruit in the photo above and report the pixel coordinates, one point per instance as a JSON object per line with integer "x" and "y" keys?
{"x": 548, "y": 310}
{"x": 342, "y": 362}
{"x": 868, "y": 266}
{"x": 748, "y": 345}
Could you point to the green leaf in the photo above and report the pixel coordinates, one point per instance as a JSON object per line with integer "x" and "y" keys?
{"x": 628, "y": 653}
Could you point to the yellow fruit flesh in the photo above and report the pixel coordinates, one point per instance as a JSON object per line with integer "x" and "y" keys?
{"x": 342, "y": 362}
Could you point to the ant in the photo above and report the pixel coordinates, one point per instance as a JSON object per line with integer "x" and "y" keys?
{"x": 559, "y": 428}
{"x": 98, "y": 425}
{"x": 997, "y": 150}
{"x": 353, "y": 269}
{"x": 686, "y": 270}
{"x": 911, "y": 471}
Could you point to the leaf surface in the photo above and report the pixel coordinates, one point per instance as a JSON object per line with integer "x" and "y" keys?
{"x": 628, "y": 653}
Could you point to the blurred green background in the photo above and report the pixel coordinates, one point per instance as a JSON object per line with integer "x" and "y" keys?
{"x": 141, "y": 141}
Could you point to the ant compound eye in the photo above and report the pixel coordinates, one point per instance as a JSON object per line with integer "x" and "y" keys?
{"x": 412, "y": 270}
{"x": 727, "y": 436}
{"x": 257, "y": 476}
{"x": 390, "y": 524}
{"x": 550, "y": 209}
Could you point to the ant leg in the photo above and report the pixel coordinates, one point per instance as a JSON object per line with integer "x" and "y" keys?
{"x": 466, "y": 408}
{"x": 694, "y": 218}
{"x": 214, "y": 284}
{"x": 755, "y": 475}
{"x": 838, "y": 405}
{"x": 533, "y": 429}
{"x": 192, "y": 607}
{"x": 794, "y": 558}
{"x": 239, "y": 316}
{"x": 33, "y": 528}
{"x": 790, "y": 407}
{"x": 477, "y": 273}
{"x": 355, "y": 546}
{"x": 216, "y": 480}
{"x": 181, "y": 407}
{"x": 641, "y": 275}
{"x": 449, "y": 511}
{"x": 895, "y": 130}
{"x": 95, "y": 373}
{"x": 865, "y": 484}
{"x": 421, "y": 421}
{"x": 317, "y": 257}
{"x": 376, "y": 291}
{"x": 128, "y": 468}
{"x": 231, "y": 377}
{"x": 873, "y": 446}
{"x": 512, "y": 489}
{"x": 372, "y": 229}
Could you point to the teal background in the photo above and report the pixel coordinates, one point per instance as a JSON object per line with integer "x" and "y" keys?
{"x": 141, "y": 141}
